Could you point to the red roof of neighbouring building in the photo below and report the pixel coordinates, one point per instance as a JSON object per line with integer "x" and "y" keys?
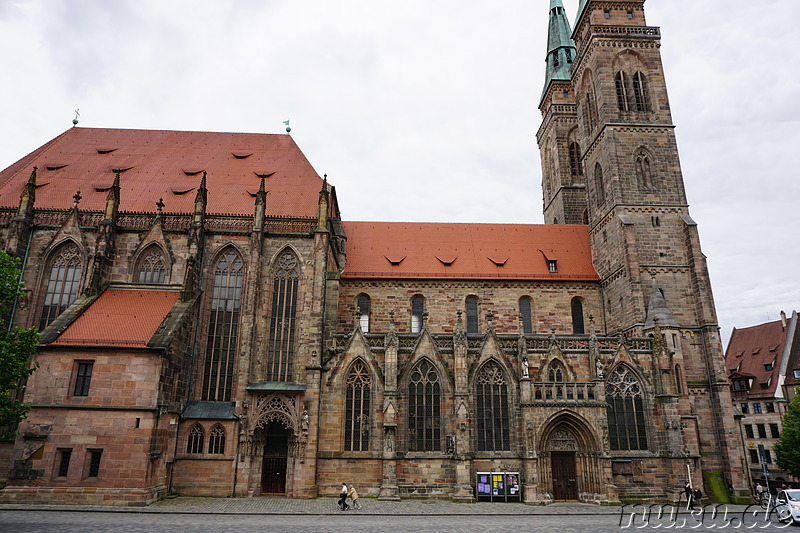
{"x": 167, "y": 164}
{"x": 750, "y": 349}
{"x": 467, "y": 251}
{"x": 120, "y": 317}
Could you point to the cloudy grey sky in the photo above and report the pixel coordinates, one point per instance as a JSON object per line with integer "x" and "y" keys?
{"x": 427, "y": 110}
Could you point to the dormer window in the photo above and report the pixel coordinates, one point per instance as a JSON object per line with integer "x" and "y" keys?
{"x": 769, "y": 366}
{"x": 797, "y": 372}
{"x": 552, "y": 266}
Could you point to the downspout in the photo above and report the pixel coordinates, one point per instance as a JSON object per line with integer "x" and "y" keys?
{"x": 714, "y": 401}
{"x": 21, "y": 273}
{"x": 188, "y": 392}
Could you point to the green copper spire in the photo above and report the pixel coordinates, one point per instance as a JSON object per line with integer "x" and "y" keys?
{"x": 560, "y": 47}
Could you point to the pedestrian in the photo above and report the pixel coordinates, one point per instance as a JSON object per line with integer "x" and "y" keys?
{"x": 687, "y": 489}
{"x": 343, "y": 498}
{"x": 759, "y": 492}
{"x": 354, "y": 497}
{"x": 698, "y": 497}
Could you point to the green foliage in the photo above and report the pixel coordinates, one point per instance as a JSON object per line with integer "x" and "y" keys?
{"x": 16, "y": 347}
{"x": 787, "y": 447}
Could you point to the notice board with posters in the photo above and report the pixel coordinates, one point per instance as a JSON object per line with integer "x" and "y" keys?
{"x": 498, "y": 487}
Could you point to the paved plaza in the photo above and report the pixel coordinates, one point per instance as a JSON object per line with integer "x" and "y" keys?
{"x": 322, "y": 515}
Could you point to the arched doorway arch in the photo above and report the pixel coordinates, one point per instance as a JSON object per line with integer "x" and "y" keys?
{"x": 278, "y": 431}
{"x": 571, "y": 467}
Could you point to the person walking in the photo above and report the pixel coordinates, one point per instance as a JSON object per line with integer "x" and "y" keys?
{"x": 343, "y": 498}
{"x": 698, "y": 497}
{"x": 687, "y": 489}
{"x": 759, "y": 492}
{"x": 354, "y": 497}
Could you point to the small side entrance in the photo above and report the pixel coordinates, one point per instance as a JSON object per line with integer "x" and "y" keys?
{"x": 273, "y": 466}
{"x": 565, "y": 485}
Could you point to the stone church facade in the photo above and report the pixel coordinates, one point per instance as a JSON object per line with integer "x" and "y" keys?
{"x": 211, "y": 326}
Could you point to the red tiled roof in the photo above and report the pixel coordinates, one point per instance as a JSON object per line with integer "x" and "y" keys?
{"x": 120, "y": 317}
{"x": 168, "y": 165}
{"x": 467, "y": 251}
{"x": 751, "y": 348}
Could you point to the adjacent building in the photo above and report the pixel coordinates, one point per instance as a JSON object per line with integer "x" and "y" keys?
{"x": 212, "y": 326}
{"x": 763, "y": 368}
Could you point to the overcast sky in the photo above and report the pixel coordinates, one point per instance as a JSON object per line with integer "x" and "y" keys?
{"x": 427, "y": 110}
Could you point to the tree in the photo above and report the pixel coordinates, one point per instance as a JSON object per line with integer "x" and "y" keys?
{"x": 787, "y": 447}
{"x": 16, "y": 347}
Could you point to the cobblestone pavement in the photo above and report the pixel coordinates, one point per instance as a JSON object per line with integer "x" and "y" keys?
{"x": 78, "y": 521}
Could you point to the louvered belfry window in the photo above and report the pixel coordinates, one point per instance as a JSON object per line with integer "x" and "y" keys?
{"x": 356, "y": 416}
{"x": 424, "y": 409}
{"x": 223, "y": 328}
{"x": 625, "y": 411}
{"x": 492, "y": 409}
{"x": 152, "y": 267}
{"x": 280, "y": 354}
{"x": 62, "y": 283}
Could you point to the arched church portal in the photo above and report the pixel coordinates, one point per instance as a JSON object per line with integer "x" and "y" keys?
{"x": 572, "y": 466}
{"x": 275, "y": 458}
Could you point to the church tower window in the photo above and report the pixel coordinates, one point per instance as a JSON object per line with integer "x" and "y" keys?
{"x": 151, "y": 268}
{"x": 575, "y": 161}
{"x": 417, "y": 310}
{"x": 598, "y": 183}
{"x": 577, "y": 317}
{"x": 356, "y": 416}
{"x": 424, "y": 409}
{"x": 625, "y": 411}
{"x": 223, "y": 327}
{"x": 280, "y": 354}
{"x": 640, "y": 92}
{"x": 621, "y": 82}
{"x": 492, "y": 409}
{"x": 644, "y": 175}
{"x": 363, "y": 312}
{"x": 525, "y": 315}
{"x": 62, "y": 283}
{"x": 472, "y": 314}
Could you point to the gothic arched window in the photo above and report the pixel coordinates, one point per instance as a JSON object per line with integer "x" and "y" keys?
{"x": 577, "y": 317}
{"x": 196, "y": 438}
{"x": 417, "y": 310}
{"x": 575, "y": 161}
{"x": 356, "y": 408}
{"x": 643, "y": 170}
{"x": 424, "y": 409}
{"x": 556, "y": 372}
{"x": 152, "y": 267}
{"x": 598, "y": 183}
{"x": 640, "y": 96}
{"x": 621, "y": 83}
{"x": 363, "y": 312}
{"x": 62, "y": 283}
{"x": 492, "y": 409}
{"x": 216, "y": 439}
{"x": 280, "y": 354}
{"x": 625, "y": 411}
{"x": 525, "y": 315}
{"x": 472, "y": 314}
{"x": 223, "y": 327}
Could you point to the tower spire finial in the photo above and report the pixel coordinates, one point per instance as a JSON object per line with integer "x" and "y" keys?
{"x": 560, "y": 46}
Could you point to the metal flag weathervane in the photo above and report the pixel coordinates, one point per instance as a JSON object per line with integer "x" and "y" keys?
{"x": 288, "y": 129}
{"x": 75, "y": 120}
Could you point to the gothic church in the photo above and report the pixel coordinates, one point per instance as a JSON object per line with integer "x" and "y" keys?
{"x": 211, "y": 326}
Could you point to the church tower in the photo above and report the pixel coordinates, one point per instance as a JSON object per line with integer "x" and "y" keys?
{"x": 644, "y": 241}
{"x": 563, "y": 185}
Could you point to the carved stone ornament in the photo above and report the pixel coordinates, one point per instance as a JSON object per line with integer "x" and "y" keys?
{"x": 562, "y": 441}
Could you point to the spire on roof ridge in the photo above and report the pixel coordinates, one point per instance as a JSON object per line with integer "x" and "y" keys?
{"x": 560, "y": 46}
{"x": 658, "y": 310}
